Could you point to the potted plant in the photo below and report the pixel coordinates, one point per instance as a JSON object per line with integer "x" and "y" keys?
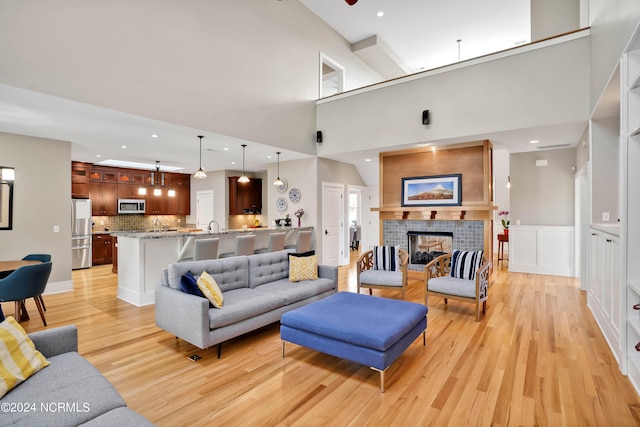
{"x": 505, "y": 221}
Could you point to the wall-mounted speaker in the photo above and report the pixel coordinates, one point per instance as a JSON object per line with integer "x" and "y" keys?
{"x": 319, "y": 136}
{"x": 426, "y": 117}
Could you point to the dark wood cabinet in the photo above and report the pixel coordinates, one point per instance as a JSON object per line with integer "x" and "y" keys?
{"x": 80, "y": 180}
{"x": 245, "y": 198}
{"x": 114, "y": 253}
{"x": 104, "y": 174}
{"x": 105, "y": 185}
{"x": 104, "y": 197}
{"x": 180, "y": 202}
{"x": 101, "y": 249}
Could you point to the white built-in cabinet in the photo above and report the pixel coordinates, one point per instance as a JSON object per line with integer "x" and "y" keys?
{"x": 605, "y": 290}
{"x": 630, "y": 205}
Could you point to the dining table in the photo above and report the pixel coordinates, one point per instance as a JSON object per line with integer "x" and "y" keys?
{"x": 8, "y": 267}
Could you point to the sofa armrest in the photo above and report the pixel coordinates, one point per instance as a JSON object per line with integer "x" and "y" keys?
{"x": 329, "y": 272}
{"x": 52, "y": 342}
{"x": 183, "y": 315}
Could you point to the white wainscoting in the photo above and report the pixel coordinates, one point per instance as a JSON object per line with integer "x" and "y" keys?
{"x": 542, "y": 249}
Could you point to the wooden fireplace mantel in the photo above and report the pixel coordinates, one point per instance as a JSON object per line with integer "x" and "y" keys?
{"x": 435, "y": 213}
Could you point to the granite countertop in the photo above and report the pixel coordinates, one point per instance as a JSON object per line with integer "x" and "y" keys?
{"x": 176, "y": 233}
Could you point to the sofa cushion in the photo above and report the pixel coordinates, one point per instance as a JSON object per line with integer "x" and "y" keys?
{"x": 189, "y": 285}
{"x": 210, "y": 289}
{"x": 19, "y": 358}
{"x": 386, "y": 258}
{"x": 71, "y": 380}
{"x": 293, "y": 292}
{"x": 303, "y": 268}
{"x": 381, "y": 277}
{"x": 119, "y": 417}
{"x": 453, "y": 286}
{"x": 229, "y": 273}
{"x": 267, "y": 267}
{"x": 241, "y": 304}
{"x": 464, "y": 264}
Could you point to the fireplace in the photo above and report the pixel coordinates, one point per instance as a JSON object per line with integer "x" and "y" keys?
{"x": 427, "y": 245}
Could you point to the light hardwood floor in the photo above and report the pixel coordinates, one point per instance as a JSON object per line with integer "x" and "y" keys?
{"x": 536, "y": 358}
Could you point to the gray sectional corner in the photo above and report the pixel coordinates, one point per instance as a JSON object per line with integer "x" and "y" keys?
{"x": 256, "y": 290}
{"x": 68, "y": 392}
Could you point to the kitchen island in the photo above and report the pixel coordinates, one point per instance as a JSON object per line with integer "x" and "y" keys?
{"x": 143, "y": 255}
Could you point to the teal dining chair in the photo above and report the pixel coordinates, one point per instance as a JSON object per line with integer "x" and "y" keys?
{"x": 26, "y": 282}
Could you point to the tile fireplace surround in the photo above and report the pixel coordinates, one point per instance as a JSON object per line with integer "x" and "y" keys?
{"x": 467, "y": 235}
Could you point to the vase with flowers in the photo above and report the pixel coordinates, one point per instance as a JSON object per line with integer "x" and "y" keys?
{"x": 505, "y": 221}
{"x": 299, "y": 214}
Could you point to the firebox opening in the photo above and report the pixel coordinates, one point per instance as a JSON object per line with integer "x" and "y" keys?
{"x": 427, "y": 245}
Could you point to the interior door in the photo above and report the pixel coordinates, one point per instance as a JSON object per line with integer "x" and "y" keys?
{"x": 332, "y": 223}
{"x": 204, "y": 206}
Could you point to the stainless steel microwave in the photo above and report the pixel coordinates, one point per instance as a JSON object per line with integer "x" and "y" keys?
{"x": 131, "y": 206}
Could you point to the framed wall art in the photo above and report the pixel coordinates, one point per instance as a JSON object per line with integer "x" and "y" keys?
{"x": 437, "y": 190}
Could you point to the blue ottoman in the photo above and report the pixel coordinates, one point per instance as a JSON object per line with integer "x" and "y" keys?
{"x": 364, "y": 329}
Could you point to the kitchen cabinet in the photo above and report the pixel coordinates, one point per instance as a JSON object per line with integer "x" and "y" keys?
{"x": 156, "y": 205}
{"x": 104, "y": 197}
{"x": 80, "y": 180}
{"x": 102, "y": 249}
{"x": 114, "y": 254}
{"x": 180, "y": 203}
{"x": 104, "y": 174}
{"x": 129, "y": 183}
{"x": 245, "y": 198}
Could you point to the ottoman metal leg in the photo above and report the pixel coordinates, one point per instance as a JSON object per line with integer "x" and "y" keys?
{"x": 381, "y": 377}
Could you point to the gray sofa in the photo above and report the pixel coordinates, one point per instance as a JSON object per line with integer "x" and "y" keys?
{"x": 68, "y": 392}
{"x": 256, "y": 291}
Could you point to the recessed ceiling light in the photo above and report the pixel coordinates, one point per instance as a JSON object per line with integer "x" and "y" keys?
{"x": 233, "y": 163}
{"x": 154, "y": 136}
{"x": 98, "y": 155}
{"x": 123, "y": 146}
{"x": 226, "y": 148}
{"x": 367, "y": 160}
{"x": 380, "y": 14}
{"x": 533, "y": 141}
{"x": 268, "y": 157}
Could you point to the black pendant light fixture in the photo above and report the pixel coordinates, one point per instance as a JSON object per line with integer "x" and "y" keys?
{"x": 200, "y": 173}
{"x": 243, "y": 178}
{"x": 278, "y": 182}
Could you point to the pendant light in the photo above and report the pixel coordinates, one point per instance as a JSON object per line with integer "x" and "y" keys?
{"x": 278, "y": 182}
{"x": 157, "y": 191}
{"x": 243, "y": 178}
{"x": 200, "y": 173}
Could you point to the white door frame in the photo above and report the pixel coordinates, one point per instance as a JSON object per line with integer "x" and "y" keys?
{"x": 342, "y": 231}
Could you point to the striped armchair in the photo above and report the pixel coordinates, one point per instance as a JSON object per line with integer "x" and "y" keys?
{"x": 473, "y": 287}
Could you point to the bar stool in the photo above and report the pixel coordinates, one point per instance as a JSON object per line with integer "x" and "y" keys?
{"x": 276, "y": 243}
{"x": 244, "y": 246}
{"x": 206, "y": 249}
{"x": 304, "y": 242}
{"x": 502, "y": 239}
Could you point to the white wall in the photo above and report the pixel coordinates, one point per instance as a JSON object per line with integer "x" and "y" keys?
{"x": 471, "y": 99}
{"x": 552, "y": 17}
{"x": 543, "y": 195}
{"x": 605, "y": 148}
{"x": 42, "y": 200}
{"x": 612, "y": 24}
{"x": 246, "y": 68}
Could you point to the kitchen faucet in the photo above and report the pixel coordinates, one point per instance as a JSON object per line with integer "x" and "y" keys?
{"x": 157, "y": 225}
{"x": 214, "y": 222}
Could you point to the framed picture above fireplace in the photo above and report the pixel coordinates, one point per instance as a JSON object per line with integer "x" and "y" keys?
{"x": 436, "y": 190}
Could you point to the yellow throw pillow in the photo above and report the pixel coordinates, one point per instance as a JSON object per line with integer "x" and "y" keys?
{"x": 19, "y": 358}
{"x": 303, "y": 268}
{"x": 210, "y": 289}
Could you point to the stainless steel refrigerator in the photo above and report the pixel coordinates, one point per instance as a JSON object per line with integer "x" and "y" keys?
{"x": 80, "y": 233}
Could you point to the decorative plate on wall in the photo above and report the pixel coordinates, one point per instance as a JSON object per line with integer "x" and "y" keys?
{"x": 294, "y": 195}
{"x": 282, "y": 188}
{"x": 281, "y": 204}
